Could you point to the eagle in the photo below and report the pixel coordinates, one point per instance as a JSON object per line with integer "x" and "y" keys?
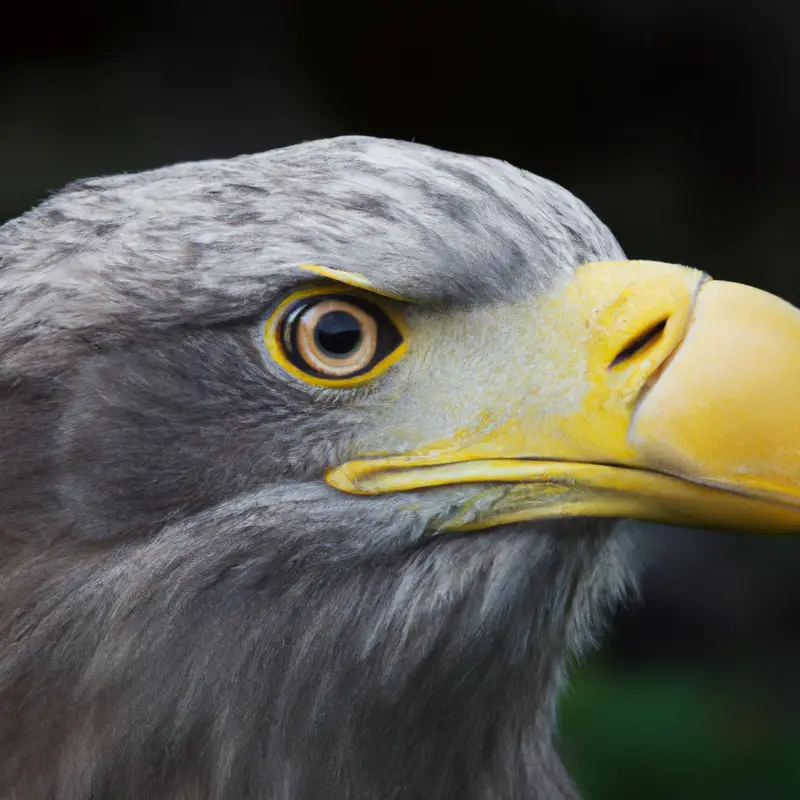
{"x": 314, "y": 463}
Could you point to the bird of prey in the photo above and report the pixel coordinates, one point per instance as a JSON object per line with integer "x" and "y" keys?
{"x": 313, "y": 463}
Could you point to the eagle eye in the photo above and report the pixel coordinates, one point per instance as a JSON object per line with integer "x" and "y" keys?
{"x": 337, "y": 339}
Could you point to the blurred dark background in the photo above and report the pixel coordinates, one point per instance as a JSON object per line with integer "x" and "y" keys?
{"x": 676, "y": 120}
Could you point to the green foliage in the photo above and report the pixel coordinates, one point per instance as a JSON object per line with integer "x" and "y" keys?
{"x": 674, "y": 736}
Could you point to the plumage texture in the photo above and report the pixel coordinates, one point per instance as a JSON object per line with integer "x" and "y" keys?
{"x": 186, "y": 609}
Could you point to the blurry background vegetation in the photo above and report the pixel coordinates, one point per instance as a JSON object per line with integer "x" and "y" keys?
{"x": 676, "y": 120}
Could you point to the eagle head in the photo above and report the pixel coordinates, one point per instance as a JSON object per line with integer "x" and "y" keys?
{"x": 313, "y": 462}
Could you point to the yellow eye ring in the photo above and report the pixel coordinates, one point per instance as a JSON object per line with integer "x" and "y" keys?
{"x": 337, "y": 338}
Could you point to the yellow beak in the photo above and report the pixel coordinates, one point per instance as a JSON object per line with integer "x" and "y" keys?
{"x": 678, "y": 401}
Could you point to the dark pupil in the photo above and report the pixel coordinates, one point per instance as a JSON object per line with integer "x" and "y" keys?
{"x": 338, "y": 334}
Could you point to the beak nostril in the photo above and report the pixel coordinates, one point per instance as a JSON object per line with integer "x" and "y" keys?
{"x": 640, "y": 343}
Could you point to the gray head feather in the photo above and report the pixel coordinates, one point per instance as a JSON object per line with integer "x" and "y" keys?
{"x": 187, "y": 609}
